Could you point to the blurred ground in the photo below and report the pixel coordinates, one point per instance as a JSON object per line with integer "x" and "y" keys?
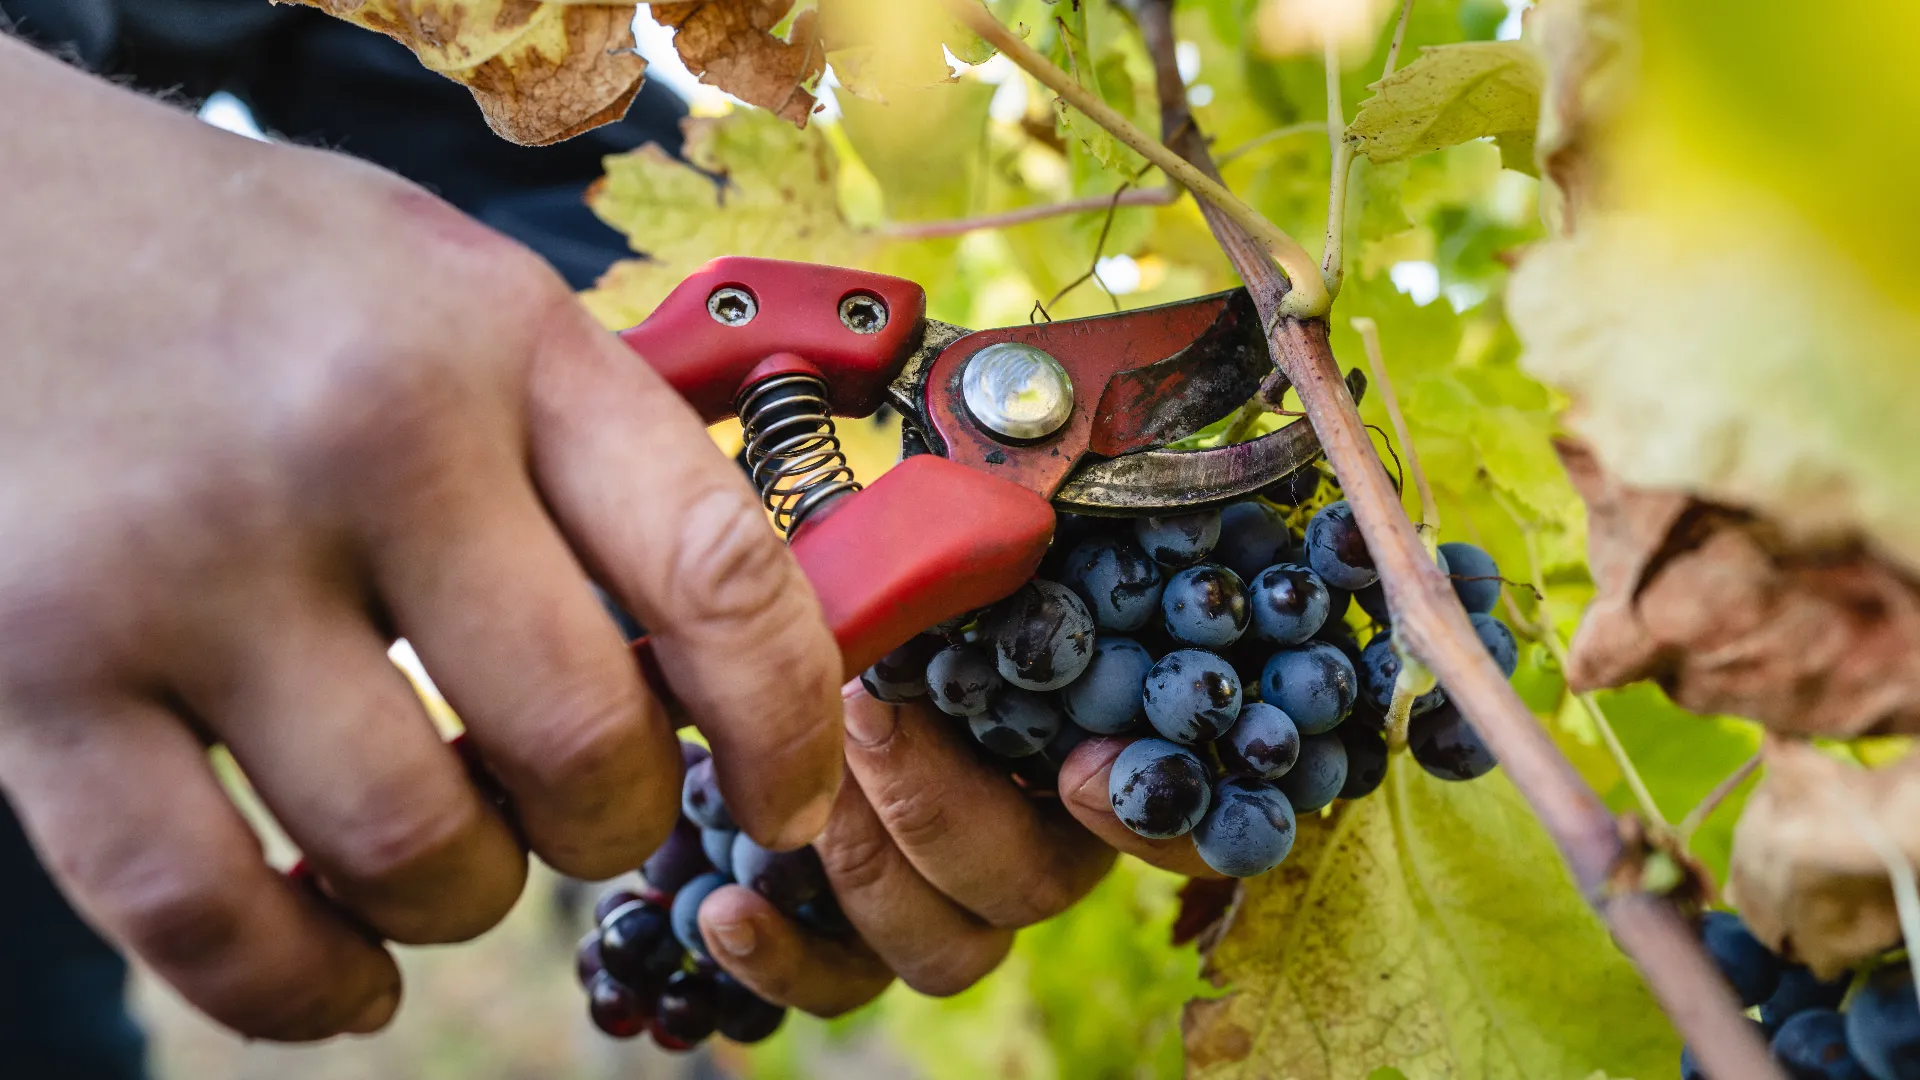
{"x": 504, "y": 1007}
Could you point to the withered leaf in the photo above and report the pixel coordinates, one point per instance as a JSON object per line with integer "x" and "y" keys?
{"x": 1807, "y": 880}
{"x": 730, "y": 44}
{"x": 1729, "y": 616}
{"x": 541, "y": 70}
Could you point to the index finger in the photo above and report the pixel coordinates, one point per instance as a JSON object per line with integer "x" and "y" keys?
{"x": 671, "y": 527}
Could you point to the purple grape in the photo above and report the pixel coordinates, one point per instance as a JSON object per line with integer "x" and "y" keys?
{"x": 1800, "y": 990}
{"x": 610, "y": 901}
{"x": 1748, "y": 965}
{"x": 1314, "y": 684}
{"x": 1106, "y": 698}
{"x": 788, "y": 879}
{"x": 1382, "y": 666}
{"x": 1883, "y": 1024}
{"x": 1812, "y": 1045}
{"x": 1159, "y": 789}
{"x": 1248, "y": 830}
{"x": 1178, "y": 541}
{"x": 1476, "y": 577}
{"x": 1445, "y": 745}
{"x": 1290, "y": 604}
{"x": 744, "y": 1016}
{"x": 1263, "y": 743}
{"x": 685, "y": 916}
{"x": 1295, "y": 488}
{"x": 1316, "y": 779}
{"x": 1119, "y": 584}
{"x": 688, "y": 1008}
{"x": 615, "y": 1009}
{"x": 1192, "y": 696}
{"x": 1253, "y": 536}
{"x": 823, "y": 918}
{"x": 1366, "y": 759}
{"x": 701, "y": 801}
{"x": 676, "y": 861}
{"x": 962, "y": 679}
{"x": 1018, "y": 723}
{"x": 1205, "y": 605}
{"x": 637, "y": 945}
{"x": 1042, "y": 636}
{"x": 901, "y": 675}
{"x": 692, "y": 753}
{"x": 718, "y": 846}
{"x": 1499, "y": 642}
{"x": 586, "y": 958}
{"x": 1337, "y": 551}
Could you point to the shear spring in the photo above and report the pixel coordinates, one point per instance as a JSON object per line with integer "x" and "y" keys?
{"x": 792, "y": 449}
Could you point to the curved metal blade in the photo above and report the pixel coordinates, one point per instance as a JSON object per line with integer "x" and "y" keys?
{"x": 1184, "y": 480}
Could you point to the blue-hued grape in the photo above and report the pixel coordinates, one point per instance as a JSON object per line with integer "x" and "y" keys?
{"x": 686, "y": 911}
{"x": 688, "y": 1008}
{"x": 1018, "y": 723}
{"x": 1337, "y": 551}
{"x": 1883, "y": 1025}
{"x": 822, "y": 917}
{"x": 700, "y": 798}
{"x": 1475, "y": 576}
{"x": 744, "y": 1016}
{"x": 787, "y": 879}
{"x": 1192, "y": 696}
{"x": 1382, "y": 667}
{"x": 1373, "y": 598}
{"x": 962, "y": 679}
{"x": 718, "y": 844}
{"x": 1314, "y": 684}
{"x": 901, "y": 675}
{"x": 1205, "y": 605}
{"x": 1178, "y": 541}
{"x": 1247, "y": 830}
{"x": 1366, "y": 759}
{"x": 1339, "y": 602}
{"x": 1253, "y": 536}
{"x": 1445, "y": 745}
{"x": 1263, "y": 743}
{"x": 1812, "y": 1045}
{"x": 1290, "y": 604}
{"x": 1159, "y": 789}
{"x": 1042, "y": 636}
{"x": 1107, "y": 698}
{"x": 1041, "y": 771}
{"x": 1800, "y": 990}
{"x": 678, "y": 860}
{"x": 1316, "y": 779}
{"x": 1499, "y": 642}
{"x": 692, "y": 753}
{"x": 1749, "y": 966}
{"x": 1118, "y": 582}
{"x": 1295, "y": 488}
{"x": 638, "y": 945}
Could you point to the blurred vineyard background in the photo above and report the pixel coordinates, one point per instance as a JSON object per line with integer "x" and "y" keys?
{"x": 1096, "y": 993}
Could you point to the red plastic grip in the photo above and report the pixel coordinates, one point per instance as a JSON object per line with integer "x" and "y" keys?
{"x": 928, "y": 541}
{"x": 797, "y": 310}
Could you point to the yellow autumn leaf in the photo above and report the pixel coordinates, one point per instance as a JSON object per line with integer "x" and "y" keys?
{"x": 541, "y": 70}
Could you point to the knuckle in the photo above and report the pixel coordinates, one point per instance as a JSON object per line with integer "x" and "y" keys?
{"x": 857, "y": 863}
{"x": 182, "y": 923}
{"x": 915, "y": 816}
{"x": 401, "y": 838}
{"x": 955, "y": 968}
{"x": 728, "y": 567}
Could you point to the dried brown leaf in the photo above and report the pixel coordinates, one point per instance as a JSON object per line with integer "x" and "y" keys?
{"x": 1729, "y": 616}
{"x": 730, "y": 44}
{"x": 1806, "y": 878}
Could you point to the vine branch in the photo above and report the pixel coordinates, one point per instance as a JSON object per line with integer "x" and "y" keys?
{"x": 1308, "y": 295}
{"x": 1436, "y": 629}
{"x": 1026, "y": 215}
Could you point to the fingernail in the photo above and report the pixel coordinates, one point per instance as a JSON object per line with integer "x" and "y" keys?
{"x": 376, "y": 1015}
{"x": 735, "y": 938}
{"x": 869, "y": 722}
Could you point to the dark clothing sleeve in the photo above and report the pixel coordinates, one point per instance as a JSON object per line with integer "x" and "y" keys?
{"x": 315, "y": 80}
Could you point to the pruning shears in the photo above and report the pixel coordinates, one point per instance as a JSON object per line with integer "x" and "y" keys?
{"x": 1000, "y": 428}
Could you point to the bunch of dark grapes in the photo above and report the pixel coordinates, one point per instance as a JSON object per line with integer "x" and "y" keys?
{"x": 1816, "y": 1031}
{"x": 644, "y": 964}
{"x": 1221, "y": 637}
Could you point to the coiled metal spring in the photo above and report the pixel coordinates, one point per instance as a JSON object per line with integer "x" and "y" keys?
{"x": 792, "y": 449}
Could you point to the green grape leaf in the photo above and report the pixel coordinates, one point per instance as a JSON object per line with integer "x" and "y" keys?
{"x": 1429, "y": 928}
{"x": 1450, "y": 95}
{"x": 1090, "y": 43}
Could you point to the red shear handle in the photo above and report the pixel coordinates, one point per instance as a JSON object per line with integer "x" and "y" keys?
{"x": 928, "y": 541}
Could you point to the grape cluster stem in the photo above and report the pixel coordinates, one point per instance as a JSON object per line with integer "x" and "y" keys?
{"x": 1425, "y": 610}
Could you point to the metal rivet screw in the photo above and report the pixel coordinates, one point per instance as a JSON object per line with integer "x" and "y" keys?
{"x": 1017, "y": 392}
{"x": 863, "y": 314}
{"x": 731, "y": 306}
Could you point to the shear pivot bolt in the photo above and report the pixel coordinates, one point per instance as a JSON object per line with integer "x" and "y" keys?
{"x": 732, "y": 306}
{"x": 1017, "y": 392}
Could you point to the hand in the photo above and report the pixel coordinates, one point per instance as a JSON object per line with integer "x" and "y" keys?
{"x": 267, "y": 408}
{"x": 936, "y": 858}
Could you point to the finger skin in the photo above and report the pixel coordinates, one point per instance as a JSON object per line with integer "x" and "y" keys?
{"x": 505, "y": 621}
{"x": 134, "y": 827}
{"x": 762, "y": 949}
{"x": 356, "y": 774}
{"x": 667, "y": 523}
{"x": 1083, "y": 791}
{"x": 931, "y": 943}
{"x": 968, "y": 831}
